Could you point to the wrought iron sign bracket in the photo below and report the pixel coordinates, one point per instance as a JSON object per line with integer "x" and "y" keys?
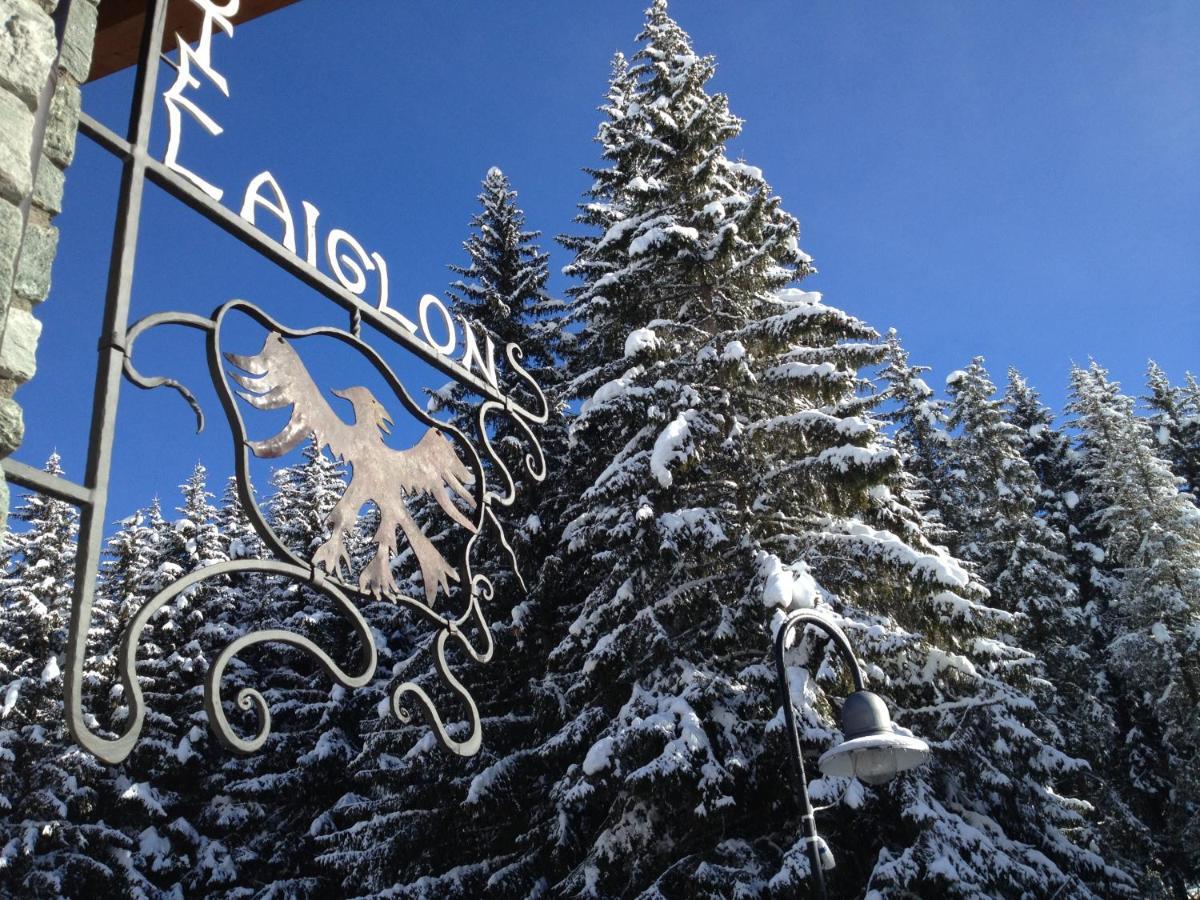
{"x": 443, "y": 465}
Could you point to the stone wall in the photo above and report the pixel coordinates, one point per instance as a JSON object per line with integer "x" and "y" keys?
{"x": 32, "y": 174}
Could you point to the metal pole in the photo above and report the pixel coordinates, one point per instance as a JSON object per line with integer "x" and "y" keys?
{"x": 108, "y": 378}
{"x": 800, "y": 618}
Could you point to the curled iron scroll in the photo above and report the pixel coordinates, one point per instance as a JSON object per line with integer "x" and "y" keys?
{"x": 459, "y": 627}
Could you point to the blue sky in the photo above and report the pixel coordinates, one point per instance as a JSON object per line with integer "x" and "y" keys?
{"x": 1016, "y": 180}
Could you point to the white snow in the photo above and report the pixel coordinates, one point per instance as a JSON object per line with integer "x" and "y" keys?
{"x": 733, "y": 351}
{"x": 610, "y": 390}
{"x": 777, "y": 586}
{"x": 694, "y": 519}
{"x": 787, "y": 587}
{"x": 151, "y": 843}
{"x": 939, "y": 567}
{"x": 656, "y": 235}
{"x": 802, "y": 370}
{"x": 1159, "y": 631}
{"x": 670, "y": 447}
{"x": 743, "y": 169}
{"x": 640, "y": 339}
{"x": 845, "y": 457}
{"x": 10, "y": 697}
{"x": 51, "y": 669}
{"x": 599, "y": 757}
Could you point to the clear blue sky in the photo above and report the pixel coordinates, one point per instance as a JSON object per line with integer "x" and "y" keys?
{"x": 1019, "y": 180}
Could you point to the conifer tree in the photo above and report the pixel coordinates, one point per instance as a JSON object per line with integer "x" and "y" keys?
{"x": 396, "y": 816}
{"x": 1175, "y": 422}
{"x": 1149, "y": 534}
{"x": 918, "y": 421}
{"x": 1046, "y": 448}
{"x": 269, "y": 800}
{"x": 502, "y": 289}
{"x": 995, "y": 494}
{"x": 54, "y": 839}
{"x": 1068, "y": 642}
{"x": 169, "y": 775}
{"x": 726, "y": 467}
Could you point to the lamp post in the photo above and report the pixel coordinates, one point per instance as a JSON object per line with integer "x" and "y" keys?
{"x": 873, "y": 750}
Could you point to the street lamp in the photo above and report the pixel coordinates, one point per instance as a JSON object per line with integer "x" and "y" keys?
{"x": 873, "y": 750}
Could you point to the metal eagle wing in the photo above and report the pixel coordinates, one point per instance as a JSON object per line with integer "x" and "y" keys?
{"x": 432, "y": 467}
{"x": 277, "y": 378}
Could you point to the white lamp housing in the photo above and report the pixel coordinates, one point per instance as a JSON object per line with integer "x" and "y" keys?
{"x": 874, "y": 749}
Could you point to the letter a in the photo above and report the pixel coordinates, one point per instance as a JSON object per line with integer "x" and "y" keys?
{"x": 279, "y": 207}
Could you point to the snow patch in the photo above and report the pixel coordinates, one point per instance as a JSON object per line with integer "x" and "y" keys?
{"x": 786, "y": 587}
{"x": 11, "y": 694}
{"x": 599, "y": 757}
{"x": 669, "y": 447}
{"x": 640, "y": 339}
{"x": 659, "y": 234}
{"x": 734, "y": 351}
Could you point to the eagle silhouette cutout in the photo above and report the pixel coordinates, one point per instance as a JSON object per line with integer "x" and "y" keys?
{"x": 277, "y": 378}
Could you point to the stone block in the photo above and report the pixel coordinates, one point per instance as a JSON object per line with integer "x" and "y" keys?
{"x": 12, "y": 425}
{"x": 48, "y": 186}
{"x": 10, "y": 240}
{"x": 18, "y": 355}
{"x": 26, "y": 49}
{"x": 37, "y": 259}
{"x": 78, "y": 40}
{"x": 63, "y": 123}
{"x": 16, "y": 142}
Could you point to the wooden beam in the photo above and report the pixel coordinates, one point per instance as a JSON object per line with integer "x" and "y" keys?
{"x": 120, "y": 27}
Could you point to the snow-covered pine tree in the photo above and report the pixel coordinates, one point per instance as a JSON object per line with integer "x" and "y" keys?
{"x": 994, "y": 494}
{"x": 503, "y": 287}
{"x": 725, "y": 468}
{"x": 1071, "y": 654}
{"x": 1149, "y": 533}
{"x": 1175, "y": 420}
{"x": 54, "y": 796}
{"x": 503, "y": 290}
{"x": 397, "y": 819}
{"x": 167, "y": 779}
{"x": 269, "y": 800}
{"x": 918, "y": 425}
{"x": 1018, "y": 532}
{"x": 1046, "y": 448}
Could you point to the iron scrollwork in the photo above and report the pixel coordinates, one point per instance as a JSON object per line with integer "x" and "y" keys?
{"x": 276, "y": 378}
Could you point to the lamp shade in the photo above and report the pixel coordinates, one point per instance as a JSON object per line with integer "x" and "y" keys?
{"x": 874, "y": 749}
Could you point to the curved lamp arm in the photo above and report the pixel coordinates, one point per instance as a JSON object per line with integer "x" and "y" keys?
{"x": 812, "y": 617}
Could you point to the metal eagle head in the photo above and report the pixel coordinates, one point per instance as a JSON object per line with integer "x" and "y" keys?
{"x": 367, "y": 410}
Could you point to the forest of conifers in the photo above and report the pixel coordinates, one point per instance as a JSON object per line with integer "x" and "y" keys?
{"x": 1022, "y": 586}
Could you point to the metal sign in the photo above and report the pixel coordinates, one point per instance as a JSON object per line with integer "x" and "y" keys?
{"x": 443, "y": 464}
